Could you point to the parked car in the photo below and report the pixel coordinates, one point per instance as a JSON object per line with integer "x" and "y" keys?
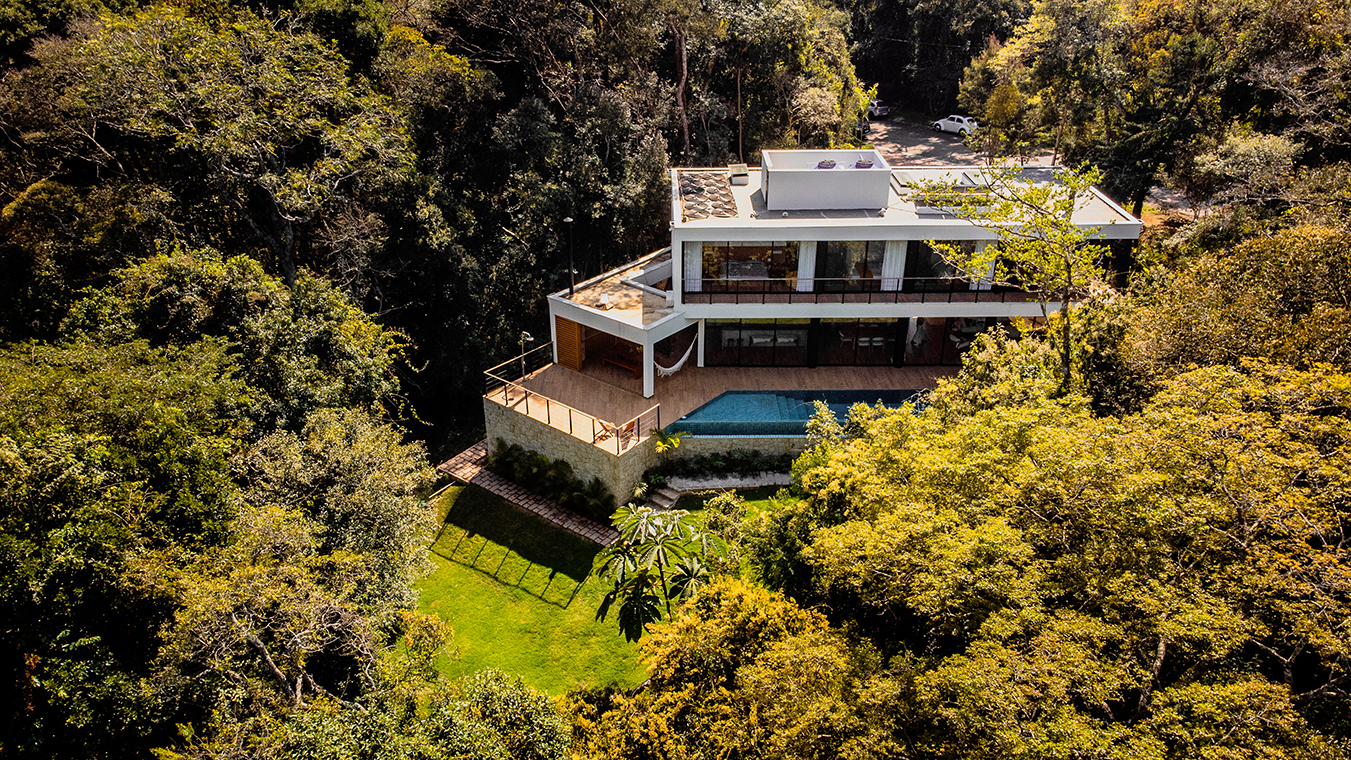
{"x": 962, "y": 125}
{"x": 878, "y": 110}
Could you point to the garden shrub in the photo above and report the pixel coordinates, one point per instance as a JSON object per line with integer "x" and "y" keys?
{"x": 553, "y": 479}
{"x": 734, "y": 462}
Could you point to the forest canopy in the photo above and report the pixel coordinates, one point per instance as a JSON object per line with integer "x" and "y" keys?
{"x": 256, "y": 255}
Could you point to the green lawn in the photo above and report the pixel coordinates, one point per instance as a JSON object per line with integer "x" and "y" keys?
{"x": 515, "y": 590}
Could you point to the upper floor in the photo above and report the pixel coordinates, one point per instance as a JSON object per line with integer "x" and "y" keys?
{"x": 813, "y": 228}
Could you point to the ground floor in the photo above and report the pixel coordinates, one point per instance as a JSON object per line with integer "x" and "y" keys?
{"x": 869, "y": 342}
{"x": 827, "y": 342}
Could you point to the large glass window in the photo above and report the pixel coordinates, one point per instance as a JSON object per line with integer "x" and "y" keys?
{"x": 960, "y": 333}
{"x": 790, "y": 342}
{"x": 722, "y": 342}
{"x": 756, "y": 342}
{"x": 849, "y": 265}
{"x": 856, "y": 342}
{"x": 838, "y": 341}
{"x": 925, "y": 269}
{"x": 876, "y": 342}
{"x": 924, "y": 341}
{"x": 943, "y": 341}
{"x": 760, "y": 265}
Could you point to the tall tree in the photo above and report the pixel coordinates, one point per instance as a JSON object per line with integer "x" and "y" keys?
{"x": 1040, "y": 247}
{"x": 266, "y": 124}
{"x": 658, "y": 557}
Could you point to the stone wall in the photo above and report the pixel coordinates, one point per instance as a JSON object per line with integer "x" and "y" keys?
{"x": 696, "y": 445}
{"x": 620, "y": 473}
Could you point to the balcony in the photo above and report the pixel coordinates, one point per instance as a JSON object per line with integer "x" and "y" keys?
{"x": 833, "y": 290}
{"x": 524, "y": 395}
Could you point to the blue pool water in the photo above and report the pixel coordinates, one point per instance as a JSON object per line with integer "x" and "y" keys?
{"x": 758, "y": 413}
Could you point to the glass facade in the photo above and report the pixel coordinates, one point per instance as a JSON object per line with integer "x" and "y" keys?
{"x": 855, "y": 342}
{"x": 756, "y": 342}
{"x": 762, "y": 269}
{"x": 738, "y": 261}
{"x": 849, "y": 265}
{"x": 925, "y": 269}
{"x": 834, "y": 266}
{"x": 843, "y": 342}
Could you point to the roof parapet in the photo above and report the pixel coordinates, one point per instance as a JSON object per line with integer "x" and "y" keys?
{"x": 799, "y": 180}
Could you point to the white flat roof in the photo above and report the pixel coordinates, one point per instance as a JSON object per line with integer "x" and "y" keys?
{"x": 704, "y": 199}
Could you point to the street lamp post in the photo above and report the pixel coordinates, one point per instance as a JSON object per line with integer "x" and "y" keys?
{"x": 572, "y": 270}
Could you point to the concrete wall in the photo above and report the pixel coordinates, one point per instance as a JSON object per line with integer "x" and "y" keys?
{"x": 619, "y": 473}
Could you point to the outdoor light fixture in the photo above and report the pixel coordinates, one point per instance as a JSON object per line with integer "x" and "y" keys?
{"x": 525, "y": 338}
{"x": 572, "y": 270}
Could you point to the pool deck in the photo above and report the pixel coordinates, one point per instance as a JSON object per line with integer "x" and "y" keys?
{"x": 613, "y": 395}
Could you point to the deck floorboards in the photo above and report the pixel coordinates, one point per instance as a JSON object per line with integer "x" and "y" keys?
{"x": 613, "y": 395}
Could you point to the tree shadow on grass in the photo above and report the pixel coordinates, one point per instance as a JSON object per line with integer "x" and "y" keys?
{"x": 515, "y": 548}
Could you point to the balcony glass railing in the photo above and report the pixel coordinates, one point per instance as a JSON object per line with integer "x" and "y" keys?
{"x": 849, "y": 290}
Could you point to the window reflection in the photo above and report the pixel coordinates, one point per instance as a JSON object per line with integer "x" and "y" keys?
{"x": 750, "y": 266}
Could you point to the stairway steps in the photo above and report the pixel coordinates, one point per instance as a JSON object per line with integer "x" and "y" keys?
{"x": 663, "y": 498}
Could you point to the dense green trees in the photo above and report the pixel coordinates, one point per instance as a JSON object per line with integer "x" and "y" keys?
{"x": 916, "y": 50}
{"x": 740, "y": 672}
{"x": 115, "y": 460}
{"x": 301, "y": 348}
{"x": 259, "y": 133}
{"x": 1162, "y": 90}
{"x": 1281, "y": 296}
{"x": 192, "y": 532}
{"x": 240, "y": 240}
{"x": 1028, "y": 580}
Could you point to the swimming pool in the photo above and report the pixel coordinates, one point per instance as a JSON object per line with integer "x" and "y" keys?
{"x": 776, "y": 413}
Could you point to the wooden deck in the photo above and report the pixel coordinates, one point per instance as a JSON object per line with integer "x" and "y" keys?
{"x": 612, "y": 394}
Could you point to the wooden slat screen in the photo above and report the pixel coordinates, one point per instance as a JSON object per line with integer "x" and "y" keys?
{"x": 569, "y": 336}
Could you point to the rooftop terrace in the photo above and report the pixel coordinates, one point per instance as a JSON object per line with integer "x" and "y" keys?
{"x": 706, "y": 198}
{"x": 634, "y": 294}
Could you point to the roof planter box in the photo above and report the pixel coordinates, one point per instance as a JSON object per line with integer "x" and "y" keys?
{"x": 794, "y": 180}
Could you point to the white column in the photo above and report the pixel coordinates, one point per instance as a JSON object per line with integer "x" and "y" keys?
{"x": 806, "y": 266}
{"x": 553, "y": 333}
{"x": 699, "y": 358}
{"x": 893, "y": 264}
{"x": 649, "y": 370}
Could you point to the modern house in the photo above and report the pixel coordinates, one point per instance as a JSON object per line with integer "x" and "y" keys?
{"x": 813, "y": 271}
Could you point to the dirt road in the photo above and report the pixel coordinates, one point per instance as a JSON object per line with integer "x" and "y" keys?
{"x": 907, "y": 143}
{"x": 904, "y": 142}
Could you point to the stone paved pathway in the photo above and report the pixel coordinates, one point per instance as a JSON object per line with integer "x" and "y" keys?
{"x": 731, "y": 481}
{"x": 469, "y": 467}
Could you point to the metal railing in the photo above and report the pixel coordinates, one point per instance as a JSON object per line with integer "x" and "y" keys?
{"x": 616, "y": 437}
{"x": 526, "y": 364}
{"x": 850, "y": 290}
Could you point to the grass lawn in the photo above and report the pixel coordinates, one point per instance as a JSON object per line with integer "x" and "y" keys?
{"x": 515, "y": 590}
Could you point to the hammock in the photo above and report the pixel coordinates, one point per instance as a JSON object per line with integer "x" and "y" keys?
{"x": 668, "y": 371}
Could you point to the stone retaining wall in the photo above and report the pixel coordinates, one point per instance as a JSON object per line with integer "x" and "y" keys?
{"x": 695, "y": 445}
{"x": 620, "y": 473}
